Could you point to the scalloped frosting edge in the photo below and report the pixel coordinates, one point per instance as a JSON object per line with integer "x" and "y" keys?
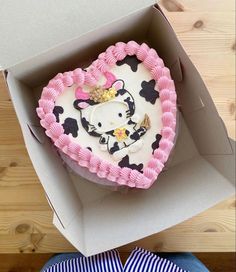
{"x": 86, "y": 158}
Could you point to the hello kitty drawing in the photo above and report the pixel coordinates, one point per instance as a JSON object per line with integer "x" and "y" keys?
{"x": 108, "y": 113}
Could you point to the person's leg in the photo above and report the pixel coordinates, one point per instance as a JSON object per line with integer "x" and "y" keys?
{"x": 61, "y": 257}
{"x": 186, "y": 261}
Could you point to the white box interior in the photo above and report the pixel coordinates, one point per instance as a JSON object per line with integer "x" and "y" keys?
{"x": 93, "y": 218}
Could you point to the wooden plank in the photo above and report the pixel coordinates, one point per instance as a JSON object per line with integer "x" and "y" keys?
{"x": 10, "y": 132}
{"x": 213, "y": 43}
{"x": 230, "y": 125}
{"x": 20, "y": 189}
{"x": 17, "y": 176}
{"x": 218, "y": 262}
{"x": 35, "y": 242}
{"x": 205, "y": 33}
{"x": 23, "y": 262}
{"x": 165, "y": 241}
{"x": 216, "y": 66}
{"x": 203, "y": 23}
{"x": 4, "y": 94}
{"x": 14, "y": 155}
{"x": 18, "y": 222}
{"x": 194, "y": 6}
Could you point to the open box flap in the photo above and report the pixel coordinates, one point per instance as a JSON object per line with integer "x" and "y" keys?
{"x": 54, "y": 177}
{"x": 133, "y": 216}
{"x": 79, "y": 52}
{"x": 73, "y": 232}
{"x": 190, "y": 179}
{"x": 30, "y": 27}
{"x": 225, "y": 163}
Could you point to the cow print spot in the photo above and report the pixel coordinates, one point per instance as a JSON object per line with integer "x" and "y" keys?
{"x": 132, "y": 61}
{"x": 148, "y": 91}
{"x": 89, "y": 148}
{"x": 114, "y": 148}
{"x": 125, "y": 163}
{"x": 155, "y": 144}
{"x": 70, "y": 126}
{"x": 57, "y": 111}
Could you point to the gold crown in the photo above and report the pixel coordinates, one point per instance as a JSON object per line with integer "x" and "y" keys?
{"x": 100, "y": 95}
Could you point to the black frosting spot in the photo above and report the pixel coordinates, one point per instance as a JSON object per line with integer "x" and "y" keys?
{"x": 130, "y": 122}
{"x": 121, "y": 92}
{"x": 114, "y": 148}
{"x": 111, "y": 132}
{"x": 57, "y": 111}
{"x": 125, "y": 163}
{"x": 138, "y": 133}
{"x": 102, "y": 140}
{"x": 130, "y": 105}
{"x": 85, "y": 125}
{"x": 132, "y": 61}
{"x": 135, "y": 136}
{"x": 127, "y": 132}
{"x": 155, "y": 144}
{"x": 70, "y": 126}
{"x": 148, "y": 91}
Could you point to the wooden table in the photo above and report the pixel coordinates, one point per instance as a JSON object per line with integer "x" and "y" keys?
{"x": 206, "y": 30}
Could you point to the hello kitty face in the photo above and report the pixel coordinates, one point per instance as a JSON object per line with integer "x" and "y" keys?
{"x": 109, "y": 115}
{"x": 98, "y": 118}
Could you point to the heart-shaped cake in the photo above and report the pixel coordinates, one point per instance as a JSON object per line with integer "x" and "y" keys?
{"x": 116, "y": 118}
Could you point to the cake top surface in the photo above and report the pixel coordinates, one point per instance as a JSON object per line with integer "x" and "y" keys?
{"x": 117, "y": 117}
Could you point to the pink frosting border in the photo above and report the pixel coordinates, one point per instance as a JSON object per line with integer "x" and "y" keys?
{"x": 83, "y": 156}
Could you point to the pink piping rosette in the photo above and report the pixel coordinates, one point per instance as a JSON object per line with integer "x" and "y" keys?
{"x": 132, "y": 48}
{"x": 78, "y": 76}
{"x": 119, "y": 51}
{"x": 67, "y": 81}
{"x": 73, "y": 150}
{"x": 84, "y": 155}
{"x": 114, "y": 173}
{"x": 103, "y": 169}
{"x": 94, "y": 164}
{"x": 101, "y": 66}
{"x": 124, "y": 176}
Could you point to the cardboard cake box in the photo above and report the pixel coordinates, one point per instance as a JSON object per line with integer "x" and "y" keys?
{"x": 38, "y": 44}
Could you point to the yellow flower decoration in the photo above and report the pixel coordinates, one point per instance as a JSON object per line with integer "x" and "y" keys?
{"x": 120, "y": 134}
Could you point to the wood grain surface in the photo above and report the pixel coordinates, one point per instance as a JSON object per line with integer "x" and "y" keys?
{"x": 206, "y": 30}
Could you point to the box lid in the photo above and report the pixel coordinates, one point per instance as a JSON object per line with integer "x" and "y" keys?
{"x": 30, "y": 27}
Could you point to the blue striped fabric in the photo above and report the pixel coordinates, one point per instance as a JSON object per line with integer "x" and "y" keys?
{"x": 140, "y": 260}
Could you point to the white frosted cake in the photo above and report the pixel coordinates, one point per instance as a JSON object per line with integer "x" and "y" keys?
{"x": 113, "y": 122}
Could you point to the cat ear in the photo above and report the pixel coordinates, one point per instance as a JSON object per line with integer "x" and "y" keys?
{"x": 80, "y": 104}
{"x": 83, "y": 105}
{"x": 118, "y": 84}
